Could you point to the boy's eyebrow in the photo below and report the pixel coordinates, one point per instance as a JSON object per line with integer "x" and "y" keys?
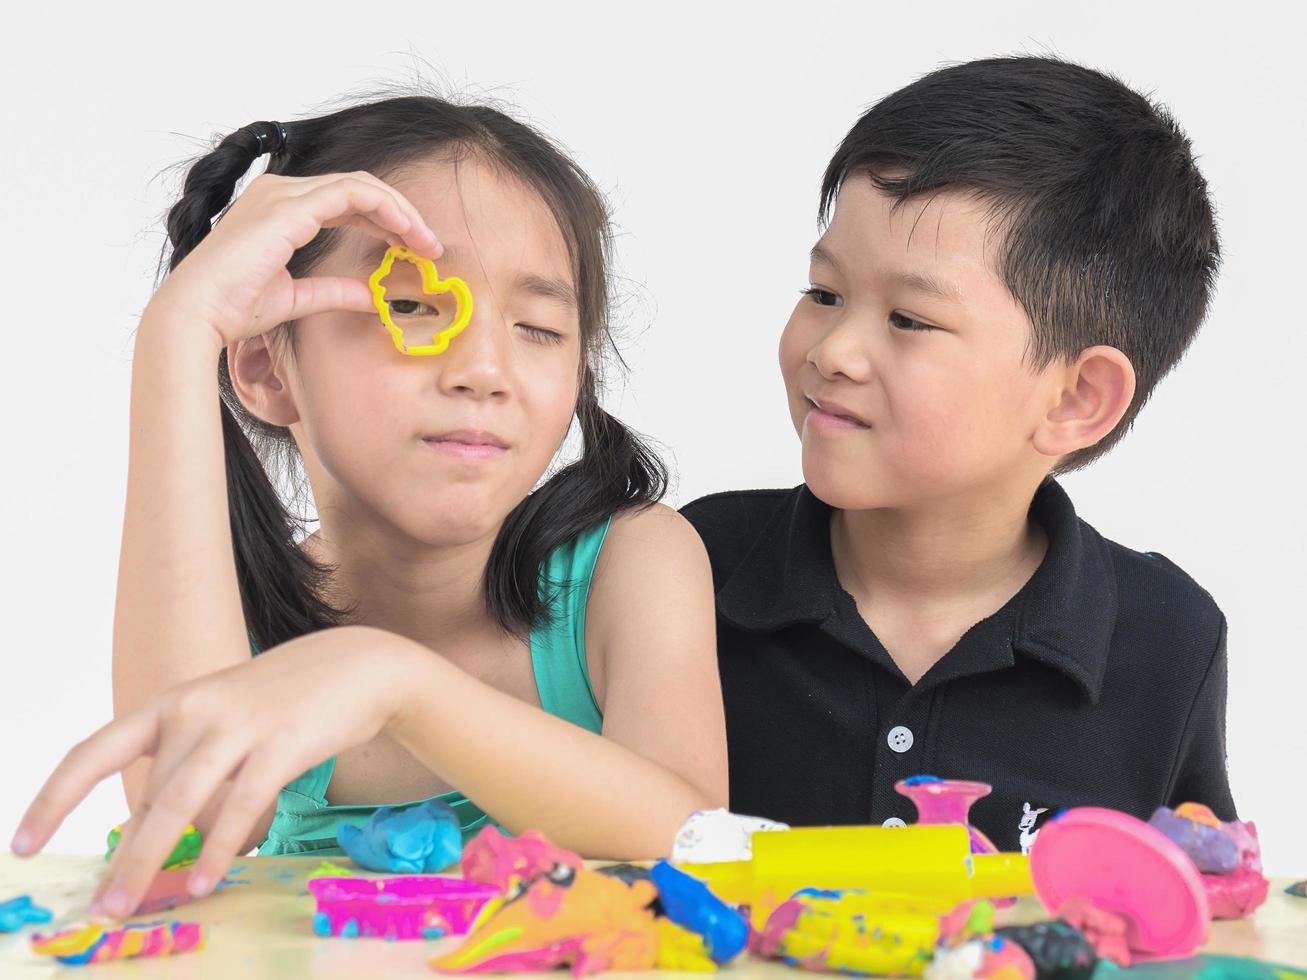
{"x": 919, "y": 281}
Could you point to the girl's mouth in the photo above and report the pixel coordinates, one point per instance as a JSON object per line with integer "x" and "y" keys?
{"x": 467, "y": 444}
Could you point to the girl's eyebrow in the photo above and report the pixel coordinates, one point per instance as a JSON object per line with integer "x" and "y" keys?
{"x": 918, "y": 281}
{"x": 549, "y": 287}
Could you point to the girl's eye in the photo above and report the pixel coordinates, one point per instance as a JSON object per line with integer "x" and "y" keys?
{"x": 540, "y": 335}
{"x": 903, "y": 322}
{"x": 823, "y": 297}
{"x": 411, "y": 307}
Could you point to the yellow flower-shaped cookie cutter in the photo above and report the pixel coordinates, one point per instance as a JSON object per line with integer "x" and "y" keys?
{"x": 431, "y": 283}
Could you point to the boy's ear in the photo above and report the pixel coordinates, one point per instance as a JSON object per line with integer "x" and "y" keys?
{"x": 1095, "y": 391}
{"x": 257, "y": 377}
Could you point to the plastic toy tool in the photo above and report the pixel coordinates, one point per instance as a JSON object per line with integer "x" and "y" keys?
{"x": 432, "y": 284}
{"x": 932, "y": 861}
{"x": 1122, "y": 865}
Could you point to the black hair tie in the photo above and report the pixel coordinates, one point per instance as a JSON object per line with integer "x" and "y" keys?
{"x": 271, "y": 137}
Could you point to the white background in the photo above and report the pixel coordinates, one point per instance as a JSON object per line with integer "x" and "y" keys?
{"x": 710, "y": 127}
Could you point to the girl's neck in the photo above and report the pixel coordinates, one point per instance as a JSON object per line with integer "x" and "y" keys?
{"x": 432, "y": 594}
{"x": 941, "y": 552}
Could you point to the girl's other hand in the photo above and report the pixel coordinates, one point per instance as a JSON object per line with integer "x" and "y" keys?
{"x": 259, "y": 724}
{"x": 235, "y": 282}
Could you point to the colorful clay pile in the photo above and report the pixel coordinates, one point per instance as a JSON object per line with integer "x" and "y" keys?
{"x": 97, "y": 944}
{"x": 1228, "y": 855}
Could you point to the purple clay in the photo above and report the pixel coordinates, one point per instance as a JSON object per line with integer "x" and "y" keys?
{"x": 1210, "y": 848}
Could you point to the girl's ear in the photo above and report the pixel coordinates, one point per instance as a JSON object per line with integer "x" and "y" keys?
{"x": 258, "y": 378}
{"x": 1093, "y": 393}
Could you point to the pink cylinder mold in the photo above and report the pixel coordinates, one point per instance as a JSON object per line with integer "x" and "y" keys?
{"x": 947, "y": 801}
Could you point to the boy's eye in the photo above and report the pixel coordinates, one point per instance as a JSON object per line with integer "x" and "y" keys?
{"x": 823, "y": 297}
{"x": 903, "y": 322}
{"x": 540, "y": 335}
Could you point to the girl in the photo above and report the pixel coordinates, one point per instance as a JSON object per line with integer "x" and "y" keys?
{"x": 548, "y": 652}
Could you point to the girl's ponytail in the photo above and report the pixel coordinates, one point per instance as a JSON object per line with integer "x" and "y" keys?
{"x": 617, "y": 471}
{"x": 280, "y": 586}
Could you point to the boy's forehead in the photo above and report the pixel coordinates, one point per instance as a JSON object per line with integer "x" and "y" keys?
{"x": 943, "y": 242}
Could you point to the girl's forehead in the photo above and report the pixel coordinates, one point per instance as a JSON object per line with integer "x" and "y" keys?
{"x": 474, "y": 206}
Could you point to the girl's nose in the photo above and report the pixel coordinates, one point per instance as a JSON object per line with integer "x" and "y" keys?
{"x": 476, "y": 362}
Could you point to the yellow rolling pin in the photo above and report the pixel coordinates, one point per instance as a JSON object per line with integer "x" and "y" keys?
{"x": 930, "y": 861}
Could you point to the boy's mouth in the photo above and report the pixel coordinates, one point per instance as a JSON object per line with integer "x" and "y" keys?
{"x": 830, "y": 414}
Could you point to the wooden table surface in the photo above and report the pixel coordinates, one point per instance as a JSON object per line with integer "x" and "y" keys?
{"x": 262, "y": 929}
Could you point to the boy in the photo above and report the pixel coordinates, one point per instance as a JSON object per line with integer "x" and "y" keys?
{"x": 1019, "y": 250}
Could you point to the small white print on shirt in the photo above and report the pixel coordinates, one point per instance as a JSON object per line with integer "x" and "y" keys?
{"x": 1027, "y": 827}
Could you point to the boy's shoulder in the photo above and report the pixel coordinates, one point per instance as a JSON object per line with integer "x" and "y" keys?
{"x": 731, "y": 522}
{"x": 1153, "y": 589}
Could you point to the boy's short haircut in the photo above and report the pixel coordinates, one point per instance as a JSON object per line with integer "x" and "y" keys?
{"x": 1108, "y": 233}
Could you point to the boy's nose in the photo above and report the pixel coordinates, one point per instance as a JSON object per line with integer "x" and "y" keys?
{"x": 843, "y": 351}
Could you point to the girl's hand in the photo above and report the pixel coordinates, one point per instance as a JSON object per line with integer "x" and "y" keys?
{"x": 235, "y": 281}
{"x": 260, "y": 724}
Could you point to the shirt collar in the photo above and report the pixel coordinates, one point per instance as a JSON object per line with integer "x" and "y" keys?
{"x": 1065, "y": 613}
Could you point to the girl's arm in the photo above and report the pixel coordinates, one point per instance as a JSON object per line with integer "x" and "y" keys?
{"x": 178, "y": 611}
{"x": 663, "y": 752}
{"x": 620, "y": 795}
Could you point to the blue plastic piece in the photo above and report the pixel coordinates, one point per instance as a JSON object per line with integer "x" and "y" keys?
{"x": 688, "y": 902}
{"x": 420, "y": 840}
{"x": 920, "y": 780}
{"x": 18, "y": 912}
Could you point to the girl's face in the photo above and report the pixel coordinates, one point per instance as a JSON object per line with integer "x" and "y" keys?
{"x": 905, "y": 363}
{"x": 443, "y": 448}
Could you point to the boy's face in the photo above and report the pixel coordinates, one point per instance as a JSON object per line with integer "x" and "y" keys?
{"x": 905, "y": 366}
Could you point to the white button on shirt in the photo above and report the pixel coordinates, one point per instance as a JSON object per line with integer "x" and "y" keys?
{"x": 900, "y": 738}
{"x": 894, "y": 822}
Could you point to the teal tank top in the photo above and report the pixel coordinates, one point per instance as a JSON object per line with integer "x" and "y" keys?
{"x": 305, "y": 823}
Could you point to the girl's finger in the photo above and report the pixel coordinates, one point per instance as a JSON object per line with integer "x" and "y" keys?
{"x": 178, "y": 802}
{"x": 366, "y": 225}
{"x": 422, "y": 239}
{"x": 350, "y": 195}
{"x": 317, "y": 294}
{"x": 110, "y": 750}
{"x": 257, "y": 784}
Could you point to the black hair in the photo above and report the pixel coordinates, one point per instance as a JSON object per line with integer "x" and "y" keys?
{"x": 283, "y": 591}
{"x": 1109, "y": 235}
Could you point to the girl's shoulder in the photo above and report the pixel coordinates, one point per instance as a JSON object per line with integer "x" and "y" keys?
{"x": 649, "y": 535}
{"x": 650, "y": 553}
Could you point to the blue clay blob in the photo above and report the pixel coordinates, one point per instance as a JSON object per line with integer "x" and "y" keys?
{"x": 419, "y": 840}
{"x": 18, "y": 912}
{"x": 688, "y": 902}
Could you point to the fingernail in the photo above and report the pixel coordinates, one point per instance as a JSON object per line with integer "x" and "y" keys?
{"x": 115, "y": 903}
{"x": 22, "y": 842}
{"x": 200, "y": 884}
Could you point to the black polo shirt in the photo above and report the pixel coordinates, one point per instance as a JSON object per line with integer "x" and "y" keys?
{"x": 1101, "y": 682}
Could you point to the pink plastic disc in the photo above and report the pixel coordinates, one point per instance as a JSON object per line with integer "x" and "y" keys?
{"x": 1122, "y": 865}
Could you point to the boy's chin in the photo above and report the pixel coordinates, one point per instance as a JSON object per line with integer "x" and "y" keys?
{"x": 844, "y": 490}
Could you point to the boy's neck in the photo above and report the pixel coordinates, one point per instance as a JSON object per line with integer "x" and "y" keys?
{"x": 922, "y": 576}
{"x": 940, "y": 550}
